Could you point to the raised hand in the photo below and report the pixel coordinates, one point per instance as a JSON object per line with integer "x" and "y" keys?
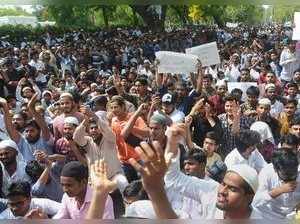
{"x": 197, "y": 107}
{"x": 141, "y": 108}
{"x": 188, "y": 121}
{"x": 100, "y": 182}
{"x": 32, "y": 101}
{"x": 288, "y": 187}
{"x": 36, "y": 214}
{"x": 154, "y": 165}
{"x": 86, "y": 111}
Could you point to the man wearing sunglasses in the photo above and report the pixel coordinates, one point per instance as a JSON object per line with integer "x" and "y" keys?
{"x": 279, "y": 186}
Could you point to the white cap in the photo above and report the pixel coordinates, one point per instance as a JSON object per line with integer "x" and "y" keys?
{"x": 46, "y": 92}
{"x": 8, "y": 143}
{"x": 71, "y": 120}
{"x": 265, "y": 101}
{"x": 66, "y": 94}
{"x": 247, "y": 173}
{"x": 264, "y": 130}
{"x": 270, "y": 85}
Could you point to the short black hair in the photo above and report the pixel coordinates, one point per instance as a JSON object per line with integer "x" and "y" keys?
{"x": 253, "y": 91}
{"x": 143, "y": 81}
{"x": 32, "y": 123}
{"x": 196, "y": 154}
{"x": 289, "y": 101}
{"x": 208, "y": 76}
{"x": 230, "y": 97}
{"x": 292, "y": 84}
{"x": 34, "y": 170}
{"x": 247, "y": 138}
{"x": 289, "y": 139}
{"x": 20, "y": 188}
{"x": 212, "y": 135}
{"x": 284, "y": 159}
{"x": 76, "y": 170}
{"x": 296, "y": 121}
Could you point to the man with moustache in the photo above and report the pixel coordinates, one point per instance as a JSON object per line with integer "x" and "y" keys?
{"x": 230, "y": 200}
{"x": 36, "y": 135}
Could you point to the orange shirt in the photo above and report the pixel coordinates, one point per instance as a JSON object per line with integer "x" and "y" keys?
{"x": 126, "y": 151}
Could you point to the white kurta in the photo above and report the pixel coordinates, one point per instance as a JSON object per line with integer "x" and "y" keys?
{"x": 274, "y": 208}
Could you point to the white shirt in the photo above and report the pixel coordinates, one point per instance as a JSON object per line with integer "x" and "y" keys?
{"x": 203, "y": 191}
{"x": 276, "y": 109}
{"x": 47, "y": 206}
{"x": 255, "y": 160}
{"x": 233, "y": 72}
{"x": 19, "y": 175}
{"x": 274, "y": 208}
{"x": 289, "y": 63}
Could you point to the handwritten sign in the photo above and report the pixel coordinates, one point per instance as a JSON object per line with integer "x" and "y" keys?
{"x": 177, "y": 63}
{"x": 296, "y": 30}
{"x": 207, "y": 53}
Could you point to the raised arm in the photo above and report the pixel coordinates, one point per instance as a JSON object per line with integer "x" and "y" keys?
{"x": 129, "y": 127}
{"x": 153, "y": 172}
{"x": 38, "y": 118}
{"x": 12, "y": 131}
{"x": 102, "y": 186}
{"x": 199, "y": 78}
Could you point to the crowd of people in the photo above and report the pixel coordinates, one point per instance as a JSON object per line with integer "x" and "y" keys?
{"x": 90, "y": 130}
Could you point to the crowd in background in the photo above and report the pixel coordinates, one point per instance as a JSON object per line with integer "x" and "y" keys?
{"x": 90, "y": 129}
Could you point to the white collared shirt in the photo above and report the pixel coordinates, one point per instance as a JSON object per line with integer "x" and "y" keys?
{"x": 19, "y": 175}
{"x": 47, "y": 206}
{"x": 255, "y": 160}
{"x": 274, "y": 208}
{"x": 200, "y": 190}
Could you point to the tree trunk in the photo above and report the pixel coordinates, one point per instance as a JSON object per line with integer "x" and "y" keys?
{"x": 135, "y": 18}
{"x": 151, "y": 20}
{"x": 105, "y": 17}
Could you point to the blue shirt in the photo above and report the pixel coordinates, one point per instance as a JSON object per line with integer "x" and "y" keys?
{"x": 27, "y": 149}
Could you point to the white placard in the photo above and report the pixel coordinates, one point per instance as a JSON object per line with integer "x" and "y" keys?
{"x": 207, "y": 53}
{"x": 296, "y": 34}
{"x": 297, "y": 20}
{"x": 177, "y": 63}
{"x": 242, "y": 86}
{"x": 231, "y": 25}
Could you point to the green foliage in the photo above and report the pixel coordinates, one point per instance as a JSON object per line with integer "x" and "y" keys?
{"x": 248, "y": 14}
{"x": 71, "y": 16}
{"x": 284, "y": 13}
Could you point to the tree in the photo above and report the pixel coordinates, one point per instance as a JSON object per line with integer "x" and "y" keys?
{"x": 153, "y": 15}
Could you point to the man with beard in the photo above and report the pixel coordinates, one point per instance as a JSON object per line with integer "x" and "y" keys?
{"x": 68, "y": 106}
{"x": 36, "y": 136}
{"x": 78, "y": 194}
{"x": 99, "y": 142}
{"x": 263, "y": 114}
{"x": 276, "y": 105}
{"x": 158, "y": 127}
{"x": 230, "y": 200}
{"x": 65, "y": 145}
{"x": 18, "y": 121}
{"x": 12, "y": 164}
